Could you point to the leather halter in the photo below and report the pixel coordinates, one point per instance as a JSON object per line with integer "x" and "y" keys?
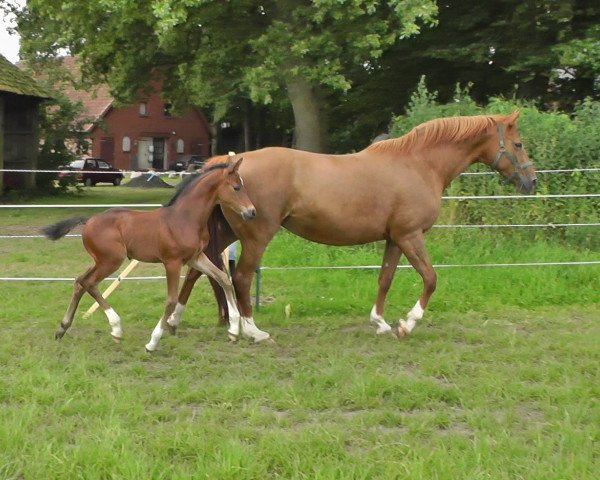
{"x": 503, "y": 152}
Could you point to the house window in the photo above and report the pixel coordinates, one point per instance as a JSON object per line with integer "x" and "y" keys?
{"x": 143, "y": 109}
{"x": 167, "y": 109}
{"x": 180, "y": 145}
{"x": 126, "y": 144}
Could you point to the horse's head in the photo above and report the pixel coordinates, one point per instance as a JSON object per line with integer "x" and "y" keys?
{"x": 232, "y": 194}
{"x": 507, "y": 155}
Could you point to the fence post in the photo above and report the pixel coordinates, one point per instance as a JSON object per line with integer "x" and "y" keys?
{"x": 257, "y": 298}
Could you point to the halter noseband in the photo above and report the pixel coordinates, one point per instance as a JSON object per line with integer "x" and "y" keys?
{"x": 504, "y": 152}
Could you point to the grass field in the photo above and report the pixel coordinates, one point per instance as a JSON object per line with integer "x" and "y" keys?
{"x": 500, "y": 380}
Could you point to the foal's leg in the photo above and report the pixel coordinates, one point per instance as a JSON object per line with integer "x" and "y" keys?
{"x": 78, "y": 292}
{"x": 203, "y": 264}
{"x": 413, "y": 246}
{"x": 391, "y": 257}
{"x": 190, "y": 280}
{"x": 173, "y": 270}
{"x": 90, "y": 283}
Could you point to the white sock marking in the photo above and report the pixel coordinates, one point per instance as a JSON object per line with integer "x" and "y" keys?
{"x": 411, "y": 320}
{"x": 382, "y": 325}
{"x": 175, "y": 318}
{"x": 250, "y": 329}
{"x": 155, "y": 337}
{"x": 115, "y": 323}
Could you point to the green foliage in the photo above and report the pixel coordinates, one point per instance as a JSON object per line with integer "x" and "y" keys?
{"x": 64, "y": 139}
{"x": 219, "y": 54}
{"x": 553, "y": 140}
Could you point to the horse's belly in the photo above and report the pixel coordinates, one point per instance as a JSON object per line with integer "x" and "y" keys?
{"x": 336, "y": 233}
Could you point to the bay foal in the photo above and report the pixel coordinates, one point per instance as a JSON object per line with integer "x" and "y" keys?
{"x": 174, "y": 235}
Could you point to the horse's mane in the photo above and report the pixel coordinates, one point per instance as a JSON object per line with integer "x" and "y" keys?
{"x": 192, "y": 179}
{"x": 434, "y": 132}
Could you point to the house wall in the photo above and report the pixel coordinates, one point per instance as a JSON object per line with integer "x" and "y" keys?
{"x": 153, "y": 128}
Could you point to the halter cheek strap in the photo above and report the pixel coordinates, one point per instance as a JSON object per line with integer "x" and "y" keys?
{"x": 503, "y": 152}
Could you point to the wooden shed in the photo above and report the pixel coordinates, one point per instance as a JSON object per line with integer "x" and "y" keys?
{"x": 20, "y": 98}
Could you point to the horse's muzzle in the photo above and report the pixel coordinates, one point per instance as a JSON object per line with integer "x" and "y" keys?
{"x": 249, "y": 213}
{"x": 527, "y": 185}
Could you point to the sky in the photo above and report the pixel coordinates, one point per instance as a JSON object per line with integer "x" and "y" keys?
{"x": 9, "y": 44}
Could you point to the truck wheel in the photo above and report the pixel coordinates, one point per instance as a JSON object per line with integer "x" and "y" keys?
{"x": 117, "y": 181}
{"x": 89, "y": 182}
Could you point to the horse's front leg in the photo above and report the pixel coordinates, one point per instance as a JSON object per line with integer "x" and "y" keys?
{"x": 391, "y": 257}
{"x": 173, "y": 270}
{"x": 203, "y": 264}
{"x": 413, "y": 246}
{"x": 190, "y": 280}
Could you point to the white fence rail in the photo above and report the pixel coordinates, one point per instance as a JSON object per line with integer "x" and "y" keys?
{"x": 341, "y": 267}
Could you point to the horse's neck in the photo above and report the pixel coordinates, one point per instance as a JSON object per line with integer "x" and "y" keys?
{"x": 197, "y": 204}
{"x": 446, "y": 162}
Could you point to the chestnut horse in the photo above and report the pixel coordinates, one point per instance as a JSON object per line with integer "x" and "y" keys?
{"x": 174, "y": 235}
{"x": 391, "y": 190}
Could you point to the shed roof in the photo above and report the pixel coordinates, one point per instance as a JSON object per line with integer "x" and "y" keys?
{"x": 14, "y": 80}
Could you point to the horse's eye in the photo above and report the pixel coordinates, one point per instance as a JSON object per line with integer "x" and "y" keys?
{"x": 237, "y": 188}
{"x": 518, "y": 144}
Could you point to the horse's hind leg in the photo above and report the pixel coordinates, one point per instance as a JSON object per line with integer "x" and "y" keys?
{"x": 391, "y": 257}
{"x": 78, "y": 291}
{"x": 173, "y": 270}
{"x": 413, "y": 247}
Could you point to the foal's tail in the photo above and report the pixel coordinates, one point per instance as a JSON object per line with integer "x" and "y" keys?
{"x": 60, "y": 229}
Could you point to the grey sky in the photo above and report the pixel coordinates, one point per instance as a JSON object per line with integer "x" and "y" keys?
{"x": 9, "y": 44}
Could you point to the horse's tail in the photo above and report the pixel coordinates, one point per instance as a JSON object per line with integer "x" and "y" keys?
{"x": 60, "y": 229}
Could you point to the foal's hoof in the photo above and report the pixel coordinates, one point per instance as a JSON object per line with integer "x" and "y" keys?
{"x": 233, "y": 338}
{"x": 59, "y": 334}
{"x": 116, "y": 339}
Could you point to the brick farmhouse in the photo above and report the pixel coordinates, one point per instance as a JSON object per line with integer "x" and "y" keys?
{"x": 141, "y": 136}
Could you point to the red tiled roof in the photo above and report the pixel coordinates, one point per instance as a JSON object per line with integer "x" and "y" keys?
{"x": 96, "y": 101}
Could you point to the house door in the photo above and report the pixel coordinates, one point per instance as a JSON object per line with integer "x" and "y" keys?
{"x": 107, "y": 149}
{"x": 158, "y": 155}
{"x": 144, "y": 156}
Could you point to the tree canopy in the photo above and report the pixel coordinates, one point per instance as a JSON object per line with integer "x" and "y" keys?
{"x": 213, "y": 53}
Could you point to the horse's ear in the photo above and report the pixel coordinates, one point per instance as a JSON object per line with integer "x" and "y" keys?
{"x": 234, "y": 165}
{"x": 512, "y": 118}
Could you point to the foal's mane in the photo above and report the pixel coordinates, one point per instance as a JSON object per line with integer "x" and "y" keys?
{"x": 192, "y": 179}
{"x": 434, "y": 132}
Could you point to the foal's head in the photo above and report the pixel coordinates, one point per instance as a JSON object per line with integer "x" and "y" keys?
{"x": 231, "y": 192}
{"x": 505, "y": 153}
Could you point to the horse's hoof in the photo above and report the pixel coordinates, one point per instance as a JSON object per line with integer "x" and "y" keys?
{"x": 264, "y": 340}
{"x": 149, "y": 348}
{"x": 172, "y": 329}
{"x": 116, "y": 339}
{"x": 382, "y": 330}
{"x": 233, "y": 338}
{"x": 59, "y": 334}
{"x": 400, "y": 332}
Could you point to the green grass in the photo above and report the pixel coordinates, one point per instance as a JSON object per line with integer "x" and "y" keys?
{"x": 499, "y": 380}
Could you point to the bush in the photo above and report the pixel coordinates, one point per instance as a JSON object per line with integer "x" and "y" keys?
{"x": 553, "y": 140}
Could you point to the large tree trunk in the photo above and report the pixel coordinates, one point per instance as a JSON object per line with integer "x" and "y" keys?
{"x": 310, "y": 128}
